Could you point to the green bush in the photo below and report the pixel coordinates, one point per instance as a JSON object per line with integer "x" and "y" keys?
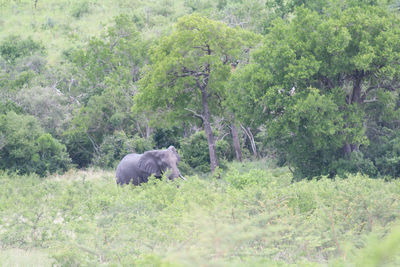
{"x": 250, "y": 217}
{"x": 165, "y": 137}
{"x": 53, "y": 155}
{"x": 356, "y": 163}
{"x": 194, "y": 151}
{"x": 10, "y": 106}
{"x": 384, "y": 151}
{"x": 80, "y": 8}
{"x": 24, "y": 147}
{"x": 14, "y": 47}
{"x": 115, "y": 147}
{"x": 79, "y": 147}
{"x": 312, "y": 133}
{"x": 22, "y": 79}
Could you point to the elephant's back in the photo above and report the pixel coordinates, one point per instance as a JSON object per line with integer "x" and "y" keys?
{"x": 126, "y": 169}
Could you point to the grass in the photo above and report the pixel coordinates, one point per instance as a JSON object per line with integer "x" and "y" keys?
{"x": 63, "y": 24}
{"x": 21, "y": 258}
{"x": 253, "y": 216}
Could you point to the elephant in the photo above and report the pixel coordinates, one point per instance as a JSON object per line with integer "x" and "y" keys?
{"x": 136, "y": 168}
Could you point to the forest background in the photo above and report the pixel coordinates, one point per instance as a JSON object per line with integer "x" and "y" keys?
{"x": 309, "y": 86}
{"x": 313, "y": 84}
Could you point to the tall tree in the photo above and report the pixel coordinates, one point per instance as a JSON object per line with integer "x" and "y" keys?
{"x": 189, "y": 69}
{"x": 107, "y": 70}
{"x": 349, "y": 55}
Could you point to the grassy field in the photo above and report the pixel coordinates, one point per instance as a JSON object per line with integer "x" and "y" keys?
{"x": 64, "y": 24}
{"x": 253, "y": 216}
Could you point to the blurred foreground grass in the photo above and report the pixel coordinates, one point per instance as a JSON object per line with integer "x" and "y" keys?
{"x": 253, "y": 216}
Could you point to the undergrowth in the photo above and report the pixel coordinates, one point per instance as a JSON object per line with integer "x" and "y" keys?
{"x": 253, "y": 216}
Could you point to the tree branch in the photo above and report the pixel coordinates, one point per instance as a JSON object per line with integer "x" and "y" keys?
{"x": 370, "y": 100}
{"x": 195, "y": 114}
{"x": 205, "y": 49}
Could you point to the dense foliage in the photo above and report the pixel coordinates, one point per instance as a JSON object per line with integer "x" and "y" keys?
{"x": 25, "y": 147}
{"x": 313, "y": 84}
{"x": 317, "y": 80}
{"x": 253, "y": 216}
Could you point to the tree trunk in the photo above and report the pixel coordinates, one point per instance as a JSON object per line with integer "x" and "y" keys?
{"x": 208, "y": 130}
{"x": 356, "y": 94}
{"x": 235, "y": 138}
{"x": 251, "y": 139}
{"x": 355, "y": 98}
{"x": 347, "y": 150}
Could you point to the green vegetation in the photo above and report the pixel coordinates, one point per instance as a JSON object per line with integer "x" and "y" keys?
{"x": 313, "y": 84}
{"x": 310, "y": 86}
{"x": 253, "y": 216}
{"x": 26, "y": 148}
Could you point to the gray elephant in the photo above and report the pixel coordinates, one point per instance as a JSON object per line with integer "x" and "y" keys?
{"x": 136, "y": 168}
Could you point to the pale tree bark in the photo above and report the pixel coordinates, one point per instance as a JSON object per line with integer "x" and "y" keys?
{"x": 201, "y": 79}
{"x": 235, "y": 138}
{"x": 250, "y": 136}
{"x": 208, "y": 130}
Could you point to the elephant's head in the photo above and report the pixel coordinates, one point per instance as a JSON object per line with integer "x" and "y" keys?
{"x": 158, "y": 162}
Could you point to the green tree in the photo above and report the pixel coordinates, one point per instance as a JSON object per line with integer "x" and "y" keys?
{"x": 14, "y": 47}
{"x": 24, "y": 146}
{"x": 114, "y": 58}
{"x": 165, "y": 137}
{"x": 356, "y": 50}
{"x": 106, "y": 72}
{"x": 115, "y": 147}
{"x": 285, "y": 9}
{"x": 188, "y": 71}
{"x": 21, "y": 60}
{"x": 194, "y": 151}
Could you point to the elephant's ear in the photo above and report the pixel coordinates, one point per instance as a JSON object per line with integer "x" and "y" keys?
{"x": 173, "y": 149}
{"x": 150, "y": 163}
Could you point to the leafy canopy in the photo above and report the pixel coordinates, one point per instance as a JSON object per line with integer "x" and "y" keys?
{"x": 198, "y": 48}
{"x": 349, "y": 55}
{"x": 24, "y": 147}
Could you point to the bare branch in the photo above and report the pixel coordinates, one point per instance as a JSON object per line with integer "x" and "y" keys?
{"x": 3, "y": 141}
{"x": 95, "y": 146}
{"x": 195, "y": 113}
{"x": 206, "y": 49}
{"x": 251, "y": 139}
{"x": 198, "y": 84}
{"x": 122, "y": 35}
{"x": 370, "y": 100}
{"x": 222, "y": 137}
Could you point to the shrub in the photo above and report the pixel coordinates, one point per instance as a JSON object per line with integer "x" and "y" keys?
{"x": 35, "y": 63}
{"x": 310, "y": 134}
{"x": 53, "y": 155}
{"x": 356, "y": 163}
{"x": 115, "y": 147}
{"x": 13, "y": 47}
{"x": 10, "y": 106}
{"x": 165, "y": 137}
{"x": 196, "y": 154}
{"x": 26, "y": 148}
{"x": 243, "y": 219}
{"x": 385, "y": 152}
{"x": 49, "y": 108}
{"x": 48, "y": 24}
{"x": 79, "y": 9}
